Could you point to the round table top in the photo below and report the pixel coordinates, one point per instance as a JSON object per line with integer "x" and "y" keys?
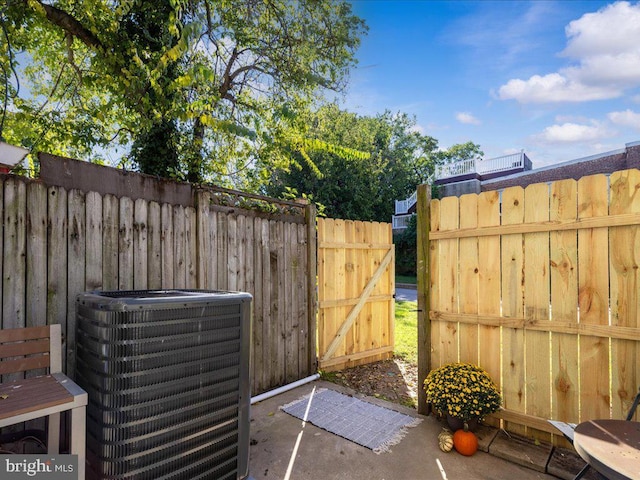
{"x": 611, "y": 446}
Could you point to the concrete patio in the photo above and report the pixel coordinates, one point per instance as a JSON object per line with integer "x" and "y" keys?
{"x": 283, "y": 448}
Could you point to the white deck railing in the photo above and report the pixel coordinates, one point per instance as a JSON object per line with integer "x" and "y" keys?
{"x": 481, "y": 167}
{"x": 463, "y": 167}
{"x": 403, "y": 206}
{"x": 399, "y": 222}
{"x": 500, "y": 164}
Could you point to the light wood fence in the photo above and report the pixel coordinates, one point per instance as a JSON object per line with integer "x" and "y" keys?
{"x": 58, "y": 241}
{"x": 541, "y": 287}
{"x": 356, "y": 284}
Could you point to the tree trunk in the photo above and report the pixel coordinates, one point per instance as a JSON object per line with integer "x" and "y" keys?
{"x": 194, "y": 173}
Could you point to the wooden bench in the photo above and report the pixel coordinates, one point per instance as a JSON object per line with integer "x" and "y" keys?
{"x": 26, "y": 349}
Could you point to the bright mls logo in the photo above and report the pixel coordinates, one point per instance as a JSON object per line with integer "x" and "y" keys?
{"x": 60, "y": 467}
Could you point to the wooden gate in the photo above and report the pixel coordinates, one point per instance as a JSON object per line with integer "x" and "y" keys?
{"x": 356, "y": 268}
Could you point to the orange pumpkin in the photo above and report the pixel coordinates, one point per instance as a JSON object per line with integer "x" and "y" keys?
{"x": 465, "y": 442}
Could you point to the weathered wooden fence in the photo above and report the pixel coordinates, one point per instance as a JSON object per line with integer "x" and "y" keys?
{"x": 541, "y": 287}
{"x": 355, "y": 292}
{"x": 59, "y": 238}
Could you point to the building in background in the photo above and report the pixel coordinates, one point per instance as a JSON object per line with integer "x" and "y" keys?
{"x": 471, "y": 176}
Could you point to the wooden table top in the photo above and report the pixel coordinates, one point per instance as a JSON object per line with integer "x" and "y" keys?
{"x": 32, "y": 394}
{"x": 612, "y": 447}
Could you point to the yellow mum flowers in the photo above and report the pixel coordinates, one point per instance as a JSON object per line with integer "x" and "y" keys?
{"x": 462, "y": 390}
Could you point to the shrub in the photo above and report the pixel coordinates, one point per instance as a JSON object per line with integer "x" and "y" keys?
{"x": 462, "y": 390}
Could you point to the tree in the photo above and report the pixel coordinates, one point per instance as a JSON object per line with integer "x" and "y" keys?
{"x": 196, "y": 88}
{"x": 405, "y": 243}
{"x": 459, "y": 152}
{"x": 356, "y": 186}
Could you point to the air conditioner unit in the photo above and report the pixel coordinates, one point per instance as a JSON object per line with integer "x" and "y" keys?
{"x": 167, "y": 373}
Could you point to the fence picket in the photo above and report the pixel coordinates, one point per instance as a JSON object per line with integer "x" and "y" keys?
{"x": 167, "y": 245}
{"x": 232, "y": 253}
{"x": 469, "y": 279}
{"x": 125, "y": 245}
{"x": 366, "y": 332}
{"x": 140, "y": 245}
{"x": 276, "y": 375}
{"x": 213, "y": 255}
{"x": 154, "y": 249}
{"x": 593, "y": 296}
{"x": 36, "y": 269}
{"x": 564, "y": 288}
{"x": 448, "y": 346}
{"x": 191, "y": 247}
{"x": 513, "y": 374}
{"x": 258, "y": 305}
{"x": 290, "y": 324}
{"x": 57, "y": 291}
{"x": 179, "y": 248}
{"x": 300, "y": 303}
{"x": 489, "y": 286}
{"x": 221, "y": 265}
{"x": 383, "y": 312}
{"x": 205, "y": 270}
{"x": 625, "y": 296}
{"x": 536, "y": 306}
{"x": 110, "y": 225}
{"x": 93, "y": 224}
{"x": 332, "y": 282}
{"x": 433, "y": 290}
{"x": 14, "y": 276}
{"x": 241, "y": 247}
{"x": 36, "y": 255}
{"x": 267, "y": 331}
{"x": 251, "y": 281}
{"x": 351, "y": 288}
{"x": 323, "y": 313}
{"x": 76, "y": 250}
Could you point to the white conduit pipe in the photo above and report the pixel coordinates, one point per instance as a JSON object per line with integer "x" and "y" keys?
{"x": 284, "y": 388}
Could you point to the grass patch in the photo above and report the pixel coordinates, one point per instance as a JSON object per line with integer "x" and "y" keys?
{"x": 406, "y": 279}
{"x": 329, "y": 376}
{"x": 406, "y": 332}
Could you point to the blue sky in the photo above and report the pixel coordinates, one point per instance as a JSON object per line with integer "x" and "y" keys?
{"x": 559, "y": 79}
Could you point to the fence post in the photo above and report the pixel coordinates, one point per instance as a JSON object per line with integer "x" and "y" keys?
{"x": 312, "y": 266}
{"x": 424, "y": 324}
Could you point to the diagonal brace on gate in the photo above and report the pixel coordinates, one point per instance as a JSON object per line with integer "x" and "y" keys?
{"x": 355, "y": 311}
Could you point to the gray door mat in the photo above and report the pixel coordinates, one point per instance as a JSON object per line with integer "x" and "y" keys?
{"x": 364, "y": 423}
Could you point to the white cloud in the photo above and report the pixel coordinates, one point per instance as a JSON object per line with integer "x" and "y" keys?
{"x": 467, "y": 118}
{"x": 610, "y": 30}
{"x": 605, "y": 49}
{"x": 573, "y": 133}
{"x": 614, "y": 71}
{"x": 628, "y": 118}
{"x": 553, "y": 88}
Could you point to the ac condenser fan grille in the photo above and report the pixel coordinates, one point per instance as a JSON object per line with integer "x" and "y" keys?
{"x": 167, "y": 373}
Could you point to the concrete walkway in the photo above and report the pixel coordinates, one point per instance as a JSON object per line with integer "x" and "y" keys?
{"x": 406, "y": 295}
{"x": 283, "y": 448}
